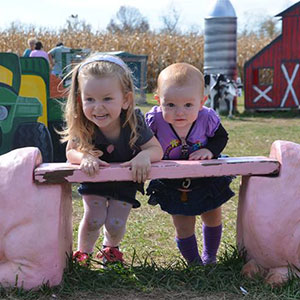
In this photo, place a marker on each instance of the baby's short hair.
(181, 74)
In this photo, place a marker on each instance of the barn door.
(290, 84)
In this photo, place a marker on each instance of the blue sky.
(54, 13)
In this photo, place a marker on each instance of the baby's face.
(180, 104)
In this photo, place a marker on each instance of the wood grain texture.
(250, 165)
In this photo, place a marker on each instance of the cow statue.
(268, 224)
(36, 223)
(221, 89)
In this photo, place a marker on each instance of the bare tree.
(170, 20)
(128, 19)
(74, 24)
(260, 25)
(269, 28)
(194, 29)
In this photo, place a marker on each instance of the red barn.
(272, 76)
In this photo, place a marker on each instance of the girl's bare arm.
(88, 163)
(141, 163)
(73, 156)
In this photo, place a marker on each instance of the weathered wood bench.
(34, 243)
(246, 166)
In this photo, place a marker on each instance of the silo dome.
(222, 8)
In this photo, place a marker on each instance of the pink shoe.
(110, 255)
(82, 258)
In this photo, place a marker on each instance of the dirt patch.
(157, 294)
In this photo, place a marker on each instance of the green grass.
(154, 268)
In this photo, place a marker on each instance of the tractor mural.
(31, 104)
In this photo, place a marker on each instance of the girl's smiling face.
(102, 102)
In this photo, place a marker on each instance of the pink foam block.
(268, 225)
(36, 223)
(64, 172)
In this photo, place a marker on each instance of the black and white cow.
(220, 89)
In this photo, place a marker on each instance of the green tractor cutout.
(31, 112)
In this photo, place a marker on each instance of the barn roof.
(259, 53)
(288, 10)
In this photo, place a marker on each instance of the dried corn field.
(161, 49)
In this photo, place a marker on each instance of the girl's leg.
(186, 239)
(95, 210)
(212, 232)
(115, 223)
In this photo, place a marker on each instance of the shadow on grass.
(291, 114)
(146, 279)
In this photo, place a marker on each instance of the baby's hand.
(90, 164)
(201, 154)
(140, 167)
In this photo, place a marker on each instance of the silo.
(220, 39)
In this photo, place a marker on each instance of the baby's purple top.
(205, 126)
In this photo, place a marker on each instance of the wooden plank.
(247, 166)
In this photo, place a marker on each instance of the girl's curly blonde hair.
(78, 128)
